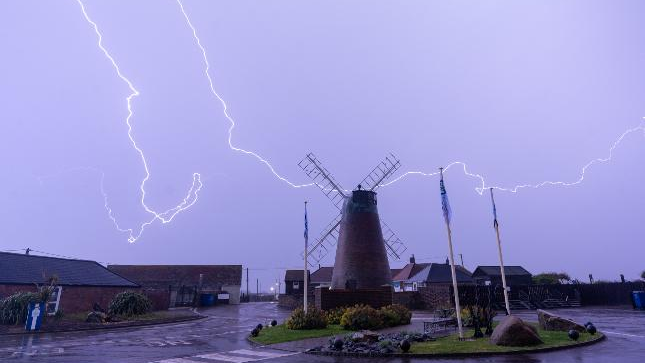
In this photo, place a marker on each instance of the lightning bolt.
(192, 195)
(225, 106)
(168, 215)
(480, 189)
(516, 188)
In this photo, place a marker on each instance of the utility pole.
(248, 296)
(304, 291)
(257, 289)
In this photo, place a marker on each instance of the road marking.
(624, 334)
(234, 356)
(175, 360)
(257, 353)
(226, 358)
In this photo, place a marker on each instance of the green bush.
(393, 315)
(361, 317)
(313, 319)
(334, 316)
(13, 309)
(130, 303)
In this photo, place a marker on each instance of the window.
(54, 300)
(296, 285)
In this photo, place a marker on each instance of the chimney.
(412, 259)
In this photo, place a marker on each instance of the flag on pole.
(445, 205)
(306, 235)
(495, 224)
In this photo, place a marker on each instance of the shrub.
(13, 309)
(393, 315)
(130, 303)
(361, 317)
(313, 319)
(334, 316)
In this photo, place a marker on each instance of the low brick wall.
(436, 296)
(294, 301)
(74, 299)
(330, 299)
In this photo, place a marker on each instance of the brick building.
(180, 285)
(79, 283)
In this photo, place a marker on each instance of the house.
(294, 281)
(439, 273)
(400, 279)
(491, 275)
(180, 285)
(321, 277)
(79, 284)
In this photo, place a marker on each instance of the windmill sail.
(323, 179)
(381, 172)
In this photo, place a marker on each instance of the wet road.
(221, 338)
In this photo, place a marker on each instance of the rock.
(96, 317)
(365, 336)
(405, 345)
(552, 322)
(513, 332)
(338, 343)
(573, 334)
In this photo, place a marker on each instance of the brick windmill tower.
(363, 241)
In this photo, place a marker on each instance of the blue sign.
(35, 313)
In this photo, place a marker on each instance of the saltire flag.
(495, 224)
(445, 205)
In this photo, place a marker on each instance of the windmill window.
(296, 285)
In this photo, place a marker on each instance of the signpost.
(35, 312)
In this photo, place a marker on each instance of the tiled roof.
(30, 269)
(409, 270)
(321, 276)
(495, 271)
(441, 273)
(177, 275)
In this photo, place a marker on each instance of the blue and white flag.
(495, 224)
(306, 235)
(445, 205)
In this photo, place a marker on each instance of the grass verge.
(451, 343)
(280, 334)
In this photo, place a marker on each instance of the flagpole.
(305, 292)
(499, 251)
(452, 264)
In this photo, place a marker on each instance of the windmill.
(363, 239)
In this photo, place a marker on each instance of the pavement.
(221, 337)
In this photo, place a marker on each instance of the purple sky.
(521, 92)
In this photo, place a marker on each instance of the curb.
(109, 327)
(598, 339)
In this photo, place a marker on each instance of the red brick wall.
(330, 299)
(74, 299)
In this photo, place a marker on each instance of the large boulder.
(552, 322)
(514, 332)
